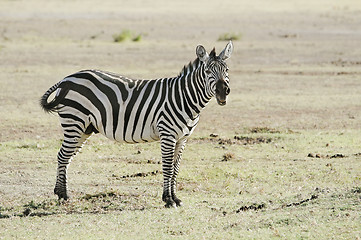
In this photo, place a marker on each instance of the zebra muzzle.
(221, 102)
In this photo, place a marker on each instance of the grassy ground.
(280, 161)
(259, 185)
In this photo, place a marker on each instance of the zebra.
(135, 111)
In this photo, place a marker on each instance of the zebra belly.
(146, 134)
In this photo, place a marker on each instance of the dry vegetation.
(281, 161)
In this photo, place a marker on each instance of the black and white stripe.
(134, 111)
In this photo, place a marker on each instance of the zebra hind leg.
(176, 163)
(70, 147)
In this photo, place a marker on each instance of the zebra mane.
(191, 65)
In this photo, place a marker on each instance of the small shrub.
(137, 38)
(264, 130)
(227, 156)
(127, 35)
(229, 36)
(124, 35)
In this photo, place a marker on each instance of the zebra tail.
(52, 106)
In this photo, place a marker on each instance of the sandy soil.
(297, 64)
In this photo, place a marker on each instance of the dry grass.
(291, 99)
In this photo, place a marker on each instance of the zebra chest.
(187, 128)
(191, 125)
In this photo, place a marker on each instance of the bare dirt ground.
(296, 68)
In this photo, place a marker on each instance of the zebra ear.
(227, 51)
(202, 53)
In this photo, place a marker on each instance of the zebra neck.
(194, 89)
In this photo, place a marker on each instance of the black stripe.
(167, 122)
(177, 95)
(201, 98)
(91, 96)
(72, 131)
(68, 152)
(189, 105)
(199, 90)
(120, 85)
(71, 136)
(175, 122)
(116, 77)
(109, 92)
(129, 108)
(72, 125)
(62, 156)
(151, 104)
(172, 106)
(71, 116)
(141, 105)
(68, 142)
(163, 92)
(190, 79)
(80, 108)
(183, 91)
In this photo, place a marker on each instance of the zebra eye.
(208, 71)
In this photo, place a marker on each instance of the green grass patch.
(230, 37)
(127, 35)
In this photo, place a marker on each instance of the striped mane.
(191, 66)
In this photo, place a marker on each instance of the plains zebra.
(134, 111)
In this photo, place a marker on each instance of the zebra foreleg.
(70, 147)
(167, 148)
(176, 163)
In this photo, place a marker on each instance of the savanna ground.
(281, 161)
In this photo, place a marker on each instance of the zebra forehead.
(218, 64)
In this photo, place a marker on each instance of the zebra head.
(216, 71)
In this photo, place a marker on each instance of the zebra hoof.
(170, 204)
(62, 194)
(178, 202)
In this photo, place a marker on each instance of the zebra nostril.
(228, 90)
